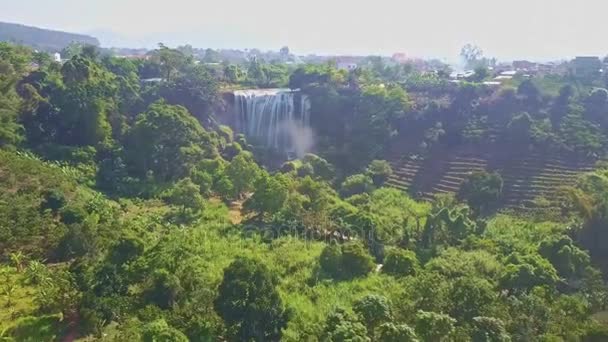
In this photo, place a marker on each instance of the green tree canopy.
(166, 141)
(379, 170)
(187, 196)
(373, 311)
(400, 262)
(269, 195)
(243, 172)
(341, 326)
(249, 303)
(356, 184)
(432, 326)
(481, 190)
(390, 332)
(488, 329)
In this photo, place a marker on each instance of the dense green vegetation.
(127, 213)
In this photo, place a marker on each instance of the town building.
(586, 66)
(346, 63)
(525, 66)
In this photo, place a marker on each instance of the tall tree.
(481, 190)
(269, 195)
(170, 60)
(166, 141)
(243, 172)
(11, 132)
(472, 55)
(195, 89)
(373, 311)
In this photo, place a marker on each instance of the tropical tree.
(481, 190)
(249, 303)
(356, 260)
(373, 310)
(330, 260)
(389, 332)
(530, 95)
(472, 55)
(380, 171)
(233, 73)
(400, 262)
(348, 261)
(12, 64)
(186, 195)
(321, 168)
(523, 272)
(565, 256)
(170, 60)
(470, 298)
(356, 184)
(195, 89)
(18, 260)
(269, 195)
(159, 330)
(242, 173)
(165, 289)
(431, 326)
(481, 73)
(8, 290)
(341, 326)
(212, 56)
(165, 141)
(36, 273)
(488, 329)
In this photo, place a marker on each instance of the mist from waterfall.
(276, 118)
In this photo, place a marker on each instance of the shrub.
(379, 171)
(356, 260)
(356, 184)
(348, 261)
(400, 262)
(331, 260)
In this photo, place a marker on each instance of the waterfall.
(276, 118)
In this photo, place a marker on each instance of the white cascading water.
(270, 117)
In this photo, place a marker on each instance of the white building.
(57, 57)
(347, 66)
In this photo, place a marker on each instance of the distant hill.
(42, 39)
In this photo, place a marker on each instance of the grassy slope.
(18, 318)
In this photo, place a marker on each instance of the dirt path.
(72, 326)
(235, 212)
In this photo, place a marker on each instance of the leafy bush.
(400, 262)
(481, 190)
(356, 184)
(346, 261)
(379, 171)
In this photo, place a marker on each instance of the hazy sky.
(507, 29)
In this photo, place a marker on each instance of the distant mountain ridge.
(42, 39)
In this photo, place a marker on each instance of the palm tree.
(36, 273)
(9, 290)
(18, 259)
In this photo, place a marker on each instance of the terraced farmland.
(526, 178)
(404, 172)
(456, 172)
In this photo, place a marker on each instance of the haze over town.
(507, 30)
